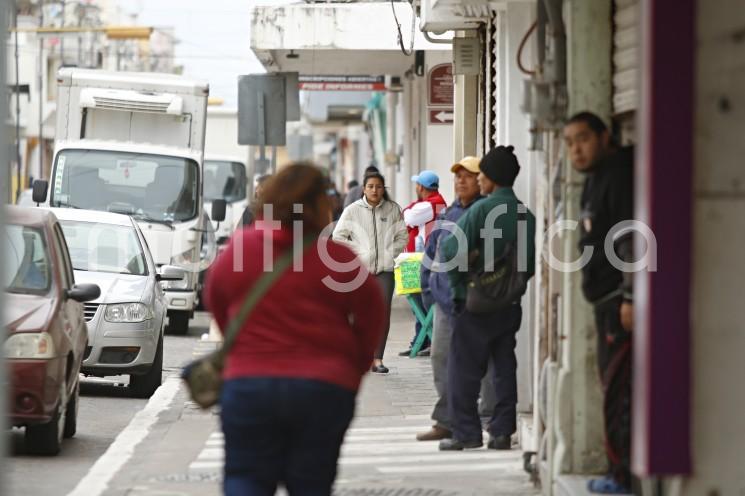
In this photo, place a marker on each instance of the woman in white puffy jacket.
(374, 228)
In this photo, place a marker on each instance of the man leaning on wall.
(607, 200)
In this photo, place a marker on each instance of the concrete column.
(466, 109)
(718, 269)
(391, 114)
(4, 197)
(410, 102)
(578, 401)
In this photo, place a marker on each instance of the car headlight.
(29, 345)
(127, 312)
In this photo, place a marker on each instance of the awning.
(333, 38)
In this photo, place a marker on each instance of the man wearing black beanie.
(491, 226)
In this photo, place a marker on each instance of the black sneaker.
(499, 442)
(405, 353)
(455, 445)
(379, 369)
(424, 353)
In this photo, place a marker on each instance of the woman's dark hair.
(373, 175)
(300, 183)
(593, 121)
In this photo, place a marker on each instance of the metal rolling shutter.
(626, 33)
(492, 80)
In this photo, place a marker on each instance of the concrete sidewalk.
(183, 453)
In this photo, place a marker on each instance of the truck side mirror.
(218, 210)
(39, 191)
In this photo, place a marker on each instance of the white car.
(126, 323)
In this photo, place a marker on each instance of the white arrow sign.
(444, 116)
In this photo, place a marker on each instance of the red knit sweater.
(301, 328)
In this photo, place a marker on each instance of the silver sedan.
(126, 323)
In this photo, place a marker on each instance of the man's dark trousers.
(476, 339)
(614, 364)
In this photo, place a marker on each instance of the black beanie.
(500, 165)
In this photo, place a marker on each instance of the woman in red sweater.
(291, 378)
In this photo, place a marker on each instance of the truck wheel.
(71, 413)
(143, 386)
(178, 323)
(46, 439)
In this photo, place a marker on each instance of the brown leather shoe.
(436, 433)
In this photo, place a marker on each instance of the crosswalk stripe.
(211, 454)
(380, 437)
(376, 430)
(206, 465)
(387, 450)
(467, 457)
(474, 467)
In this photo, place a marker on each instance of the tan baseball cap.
(471, 164)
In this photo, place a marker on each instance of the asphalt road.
(106, 407)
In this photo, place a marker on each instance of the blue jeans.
(282, 430)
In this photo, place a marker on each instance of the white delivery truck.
(225, 175)
(133, 143)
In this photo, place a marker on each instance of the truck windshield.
(159, 188)
(224, 180)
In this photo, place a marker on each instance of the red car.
(45, 325)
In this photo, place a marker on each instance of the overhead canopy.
(339, 39)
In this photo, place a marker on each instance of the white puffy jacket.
(376, 234)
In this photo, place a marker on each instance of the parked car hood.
(115, 288)
(26, 313)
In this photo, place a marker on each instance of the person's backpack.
(492, 290)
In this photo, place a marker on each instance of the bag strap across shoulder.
(264, 283)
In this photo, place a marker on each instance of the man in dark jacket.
(607, 200)
(490, 226)
(436, 290)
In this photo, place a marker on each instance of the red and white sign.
(342, 83)
(441, 116)
(342, 86)
(440, 85)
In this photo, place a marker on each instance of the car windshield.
(26, 258)
(224, 180)
(100, 247)
(150, 187)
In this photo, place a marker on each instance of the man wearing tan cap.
(436, 289)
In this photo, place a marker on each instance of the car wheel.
(178, 323)
(46, 439)
(143, 386)
(71, 413)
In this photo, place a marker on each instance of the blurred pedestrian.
(479, 337)
(350, 186)
(336, 201)
(248, 214)
(419, 217)
(607, 199)
(355, 192)
(374, 228)
(292, 375)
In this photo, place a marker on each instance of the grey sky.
(214, 37)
